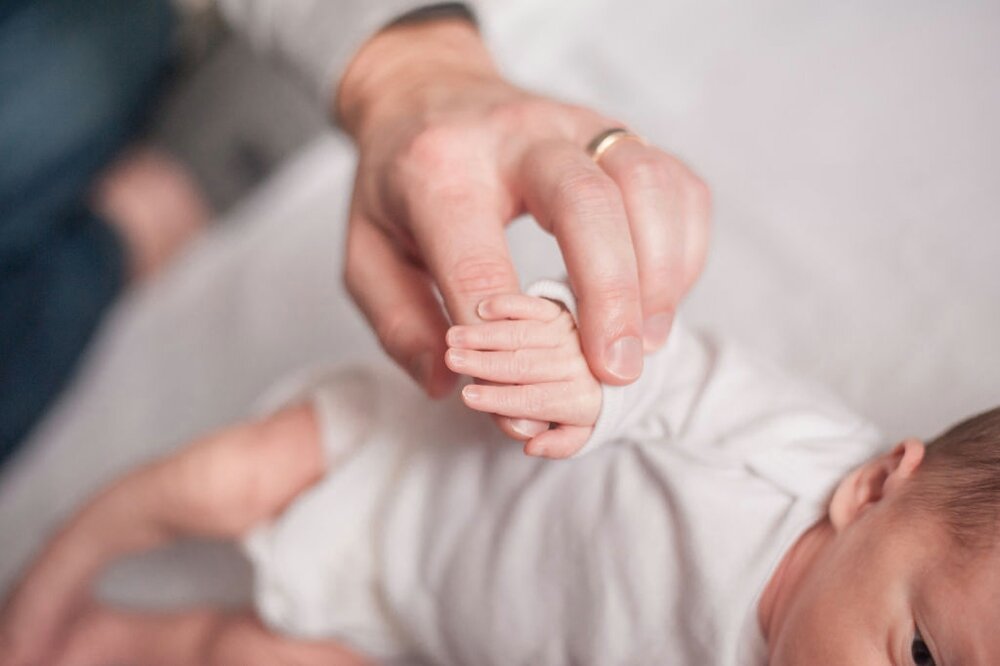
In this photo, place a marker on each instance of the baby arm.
(218, 487)
(528, 349)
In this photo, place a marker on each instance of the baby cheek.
(807, 643)
(831, 634)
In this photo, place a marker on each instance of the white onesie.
(436, 538)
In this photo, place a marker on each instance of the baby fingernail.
(527, 428)
(655, 330)
(623, 358)
(536, 449)
(472, 392)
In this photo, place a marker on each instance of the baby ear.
(878, 478)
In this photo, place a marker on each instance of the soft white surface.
(435, 533)
(855, 158)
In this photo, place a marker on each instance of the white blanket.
(854, 154)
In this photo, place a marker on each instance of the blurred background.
(852, 148)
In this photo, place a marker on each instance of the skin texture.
(854, 588)
(528, 357)
(217, 487)
(224, 484)
(154, 204)
(450, 153)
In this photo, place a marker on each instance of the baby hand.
(529, 349)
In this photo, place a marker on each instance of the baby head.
(905, 569)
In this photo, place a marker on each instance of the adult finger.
(652, 186)
(397, 299)
(697, 216)
(459, 230)
(582, 206)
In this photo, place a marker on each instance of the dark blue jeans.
(76, 78)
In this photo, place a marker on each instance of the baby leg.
(218, 487)
(205, 637)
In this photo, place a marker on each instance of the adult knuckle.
(649, 172)
(618, 301)
(518, 112)
(434, 147)
(614, 290)
(663, 269)
(699, 193)
(506, 115)
(586, 190)
(544, 117)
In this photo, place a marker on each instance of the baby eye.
(920, 652)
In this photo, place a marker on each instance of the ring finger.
(651, 183)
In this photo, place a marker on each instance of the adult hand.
(450, 152)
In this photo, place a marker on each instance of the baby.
(723, 514)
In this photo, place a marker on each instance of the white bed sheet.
(854, 154)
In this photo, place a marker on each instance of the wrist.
(410, 69)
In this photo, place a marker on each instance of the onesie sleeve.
(666, 387)
(316, 38)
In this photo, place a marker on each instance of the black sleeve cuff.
(440, 10)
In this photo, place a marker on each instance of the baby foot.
(155, 205)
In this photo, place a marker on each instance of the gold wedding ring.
(603, 142)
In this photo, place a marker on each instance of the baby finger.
(559, 402)
(561, 442)
(508, 335)
(518, 306)
(521, 366)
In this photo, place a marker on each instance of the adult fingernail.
(655, 330)
(527, 428)
(623, 358)
(472, 392)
